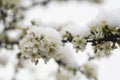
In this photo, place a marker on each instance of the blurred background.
(58, 13)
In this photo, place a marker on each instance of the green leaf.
(36, 62)
(70, 38)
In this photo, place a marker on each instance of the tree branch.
(112, 38)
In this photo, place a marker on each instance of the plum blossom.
(77, 35)
(79, 43)
(64, 74)
(39, 43)
(89, 69)
(103, 50)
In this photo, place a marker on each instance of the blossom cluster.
(104, 38)
(90, 70)
(75, 35)
(79, 42)
(102, 50)
(39, 43)
(45, 43)
(64, 74)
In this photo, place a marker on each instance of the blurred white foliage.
(67, 56)
(14, 35)
(111, 17)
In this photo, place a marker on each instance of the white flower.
(89, 70)
(79, 43)
(64, 74)
(103, 50)
(40, 43)
(76, 35)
